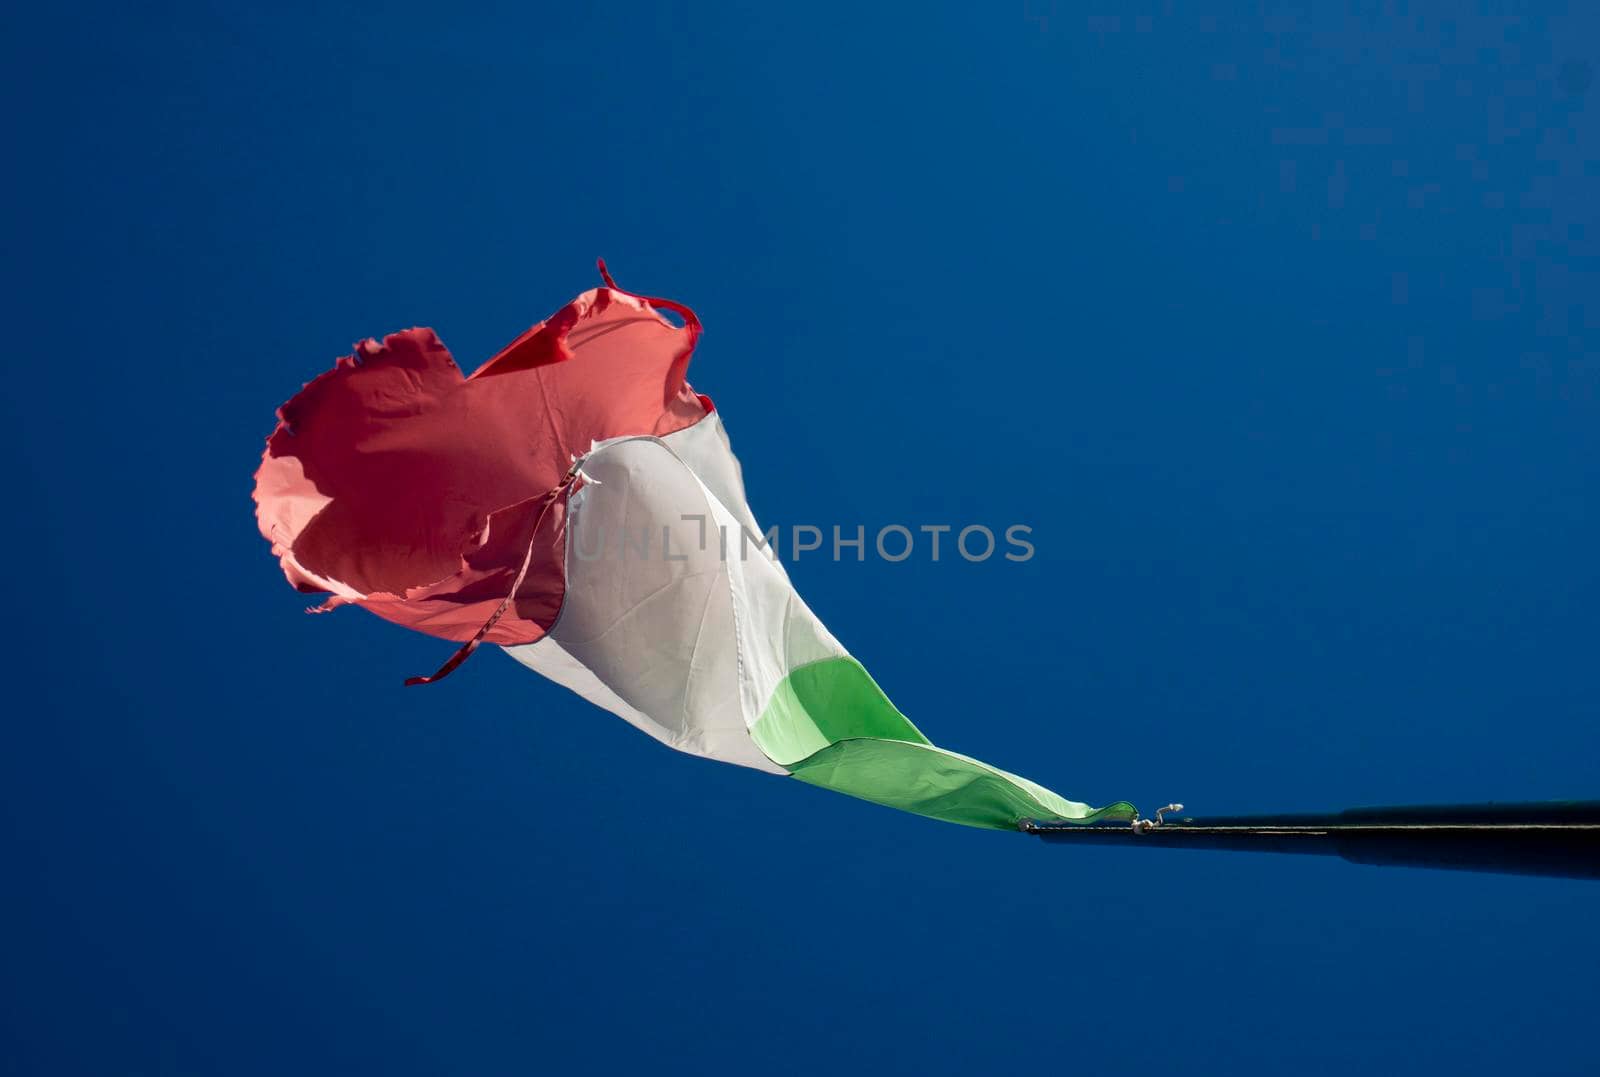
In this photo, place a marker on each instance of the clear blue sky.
(1284, 337)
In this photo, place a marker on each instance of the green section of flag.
(822, 703)
(833, 727)
(943, 785)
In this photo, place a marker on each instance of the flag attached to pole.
(576, 503)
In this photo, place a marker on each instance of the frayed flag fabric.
(575, 502)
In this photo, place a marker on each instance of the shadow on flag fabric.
(574, 502)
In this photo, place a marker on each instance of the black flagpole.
(1559, 838)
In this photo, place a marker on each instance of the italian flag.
(576, 503)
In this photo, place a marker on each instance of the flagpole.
(1557, 838)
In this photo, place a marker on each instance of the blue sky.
(1281, 334)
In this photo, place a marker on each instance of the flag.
(575, 502)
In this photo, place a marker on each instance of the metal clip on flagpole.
(1141, 825)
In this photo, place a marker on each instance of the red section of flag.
(429, 498)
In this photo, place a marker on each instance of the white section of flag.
(672, 622)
